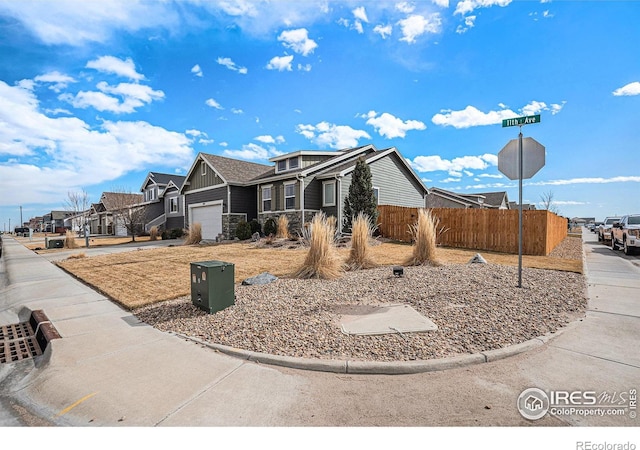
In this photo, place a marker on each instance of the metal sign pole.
(520, 208)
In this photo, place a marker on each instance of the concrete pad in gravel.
(388, 319)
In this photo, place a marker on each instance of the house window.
(329, 193)
(173, 204)
(293, 163)
(289, 196)
(203, 168)
(151, 194)
(266, 198)
(376, 194)
(282, 165)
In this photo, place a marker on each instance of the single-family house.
(441, 198)
(103, 216)
(220, 191)
(53, 222)
(525, 206)
(165, 205)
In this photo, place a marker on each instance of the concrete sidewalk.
(110, 370)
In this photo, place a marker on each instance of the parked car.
(604, 231)
(626, 234)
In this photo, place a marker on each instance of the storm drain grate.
(18, 342)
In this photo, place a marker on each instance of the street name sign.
(518, 121)
(533, 156)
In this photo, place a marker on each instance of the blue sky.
(94, 95)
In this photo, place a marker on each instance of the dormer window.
(287, 164)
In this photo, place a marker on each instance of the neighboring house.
(441, 198)
(36, 223)
(218, 194)
(53, 222)
(496, 200)
(525, 206)
(103, 216)
(165, 205)
(221, 191)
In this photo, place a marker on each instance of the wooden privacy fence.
(481, 229)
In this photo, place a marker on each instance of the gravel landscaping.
(477, 307)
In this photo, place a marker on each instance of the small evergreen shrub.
(256, 227)
(270, 227)
(243, 230)
(176, 233)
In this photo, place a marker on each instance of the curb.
(380, 367)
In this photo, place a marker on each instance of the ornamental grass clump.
(359, 256)
(153, 233)
(283, 227)
(322, 260)
(195, 234)
(424, 234)
(70, 240)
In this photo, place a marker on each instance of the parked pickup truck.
(604, 230)
(626, 234)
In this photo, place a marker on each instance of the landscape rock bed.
(477, 307)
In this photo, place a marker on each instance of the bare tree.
(128, 211)
(78, 203)
(548, 204)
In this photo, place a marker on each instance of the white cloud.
(357, 25)
(490, 175)
(56, 80)
(237, 111)
(64, 153)
(467, 6)
(629, 89)
(280, 63)
(122, 98)
(229, 64)
(454, 167)
(473, 117)
(304, 68)
(214, 104)
(383, 31)
(253, 152)
(71, 26)
(121, 67)
(593, 180)
(416, 25)
(405, 7)
(441, 3)
(360, 14)
(469, 22)
(450, 180)
(196, 70)
(268, 139)
(325, 134)
(390, 126)
(298, 41)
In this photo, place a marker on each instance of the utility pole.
(21, 222)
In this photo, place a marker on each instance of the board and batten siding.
(396, 185)
(310, 160)
(199, 181)
(204, 197)
(313, 194)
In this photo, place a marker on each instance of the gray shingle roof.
(234, 170)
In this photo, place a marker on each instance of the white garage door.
(210, 218)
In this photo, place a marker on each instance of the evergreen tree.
(361, 197)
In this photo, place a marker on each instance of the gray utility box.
(212, 285)
(55, 243)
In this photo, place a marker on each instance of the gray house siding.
(175, 219)
(203, 197)
(313, 194)
(436, 201)
(244, 200)
(396, 185)
(154, 210)
(199, 181)
(277, 196)
(174, 222)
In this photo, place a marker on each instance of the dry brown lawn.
(142, 277)
(80, 242)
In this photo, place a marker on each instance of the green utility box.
(212, 285)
